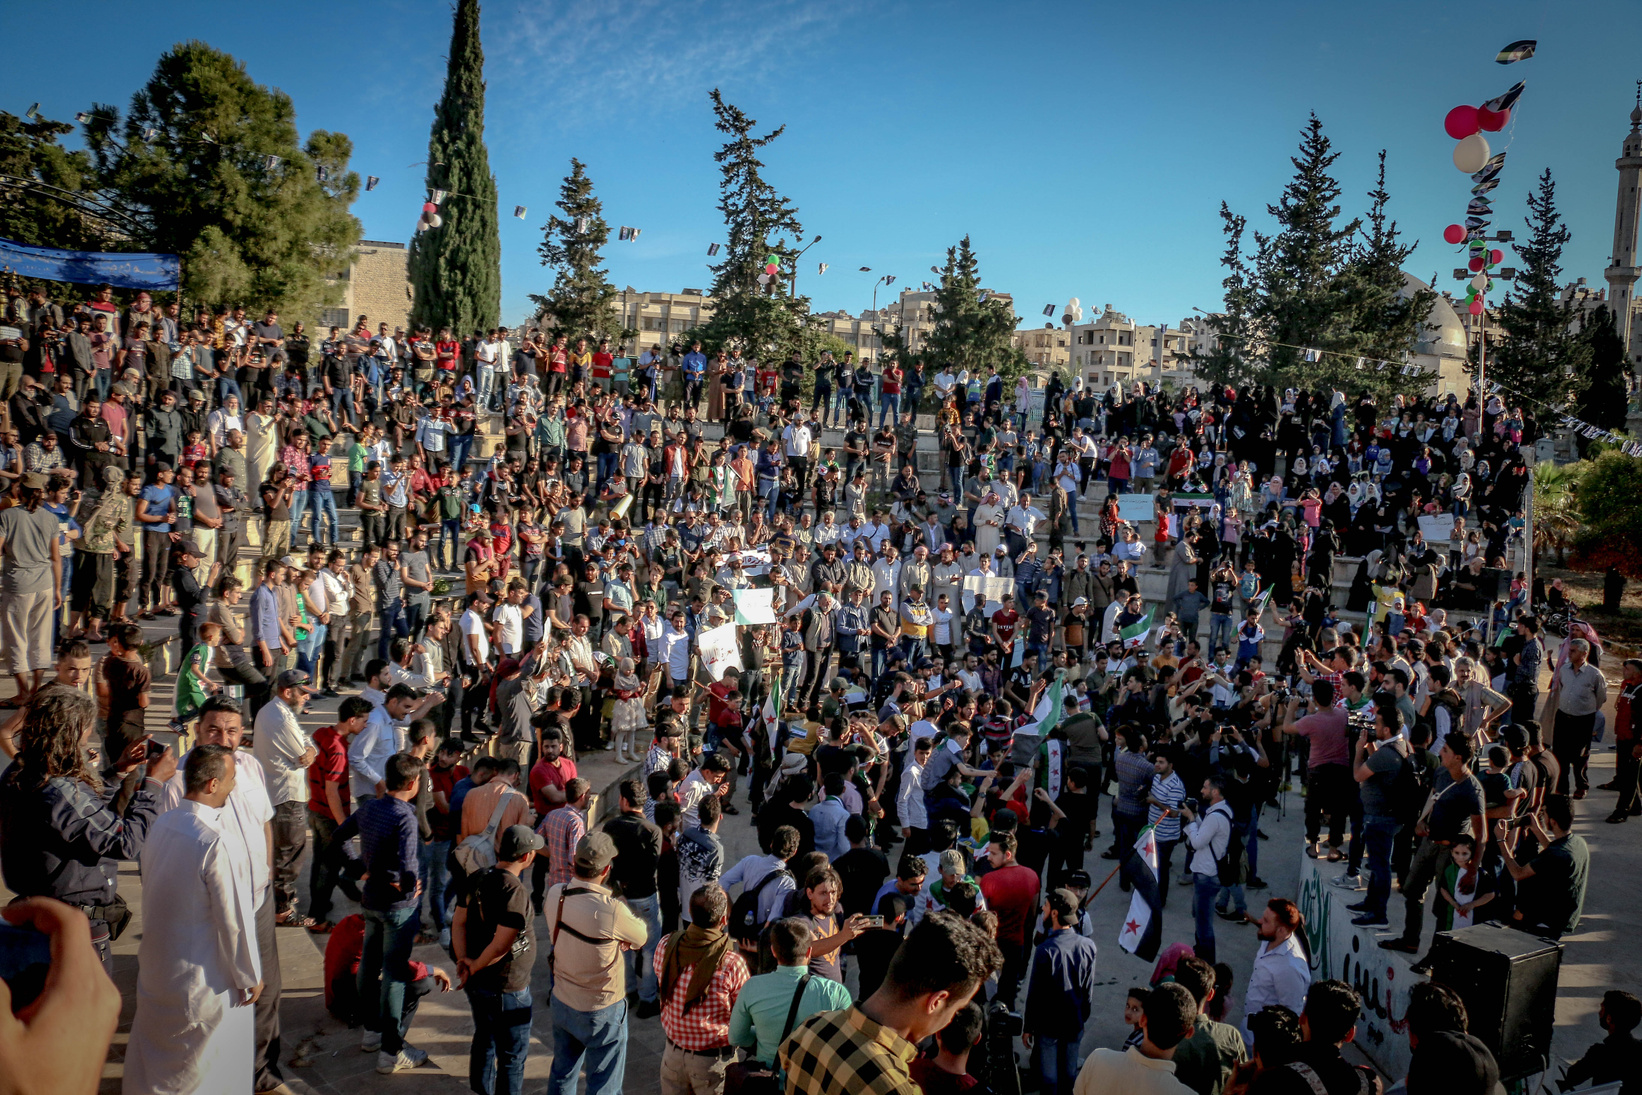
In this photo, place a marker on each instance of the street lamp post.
(792, 285)
(877, 341)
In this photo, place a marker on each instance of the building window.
(333, 317)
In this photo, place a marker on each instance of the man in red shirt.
(1011, 891)
(551, 772)
(604, 364)
(1004, 622)
(889, 390)
(329, 805)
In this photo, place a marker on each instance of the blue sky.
(1086, 148)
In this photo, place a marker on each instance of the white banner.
(754, 606)
(719, 650)
(994, 588)
(1353, 955)
(1135, 507)
(1438, 528)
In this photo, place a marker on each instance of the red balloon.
(1496, 257)
(1493, 120)
(1475, 264)
(1454, 234)
(1476, 307)
(429, 207)
(1461, 122)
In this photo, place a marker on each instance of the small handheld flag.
(1135, 634)
(519, 211)
(712, 249)
(1142, 931)
(1048, 309)
(1517, 51)
(371, 181)
(439, 196)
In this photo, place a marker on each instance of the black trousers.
(1571, 744)
(265, 1067)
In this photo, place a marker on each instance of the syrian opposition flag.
(1261, 600)
(1142, 931)
(770, 713)
(1029, 741)
(1135, 634)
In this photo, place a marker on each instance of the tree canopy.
(969, 332)
(209, 162)
(50, 195)
(579, 304)
(1318, 282)
(1609, 501)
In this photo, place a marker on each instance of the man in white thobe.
(247, 822)
(198, 973)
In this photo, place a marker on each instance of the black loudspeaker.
(1508, 981)
(1494, 584)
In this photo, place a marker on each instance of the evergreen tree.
(191, 160)
(579, 304)
(55, 207)
(1538, 353)
(1385, 321)
(968, 333)
(762, 321)
(1230, 361)
(1298, 270)
(456, 269)
(1605, 400)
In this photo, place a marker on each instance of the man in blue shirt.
(829, 816)
(262, 628)
(156, 510)
(1057, 1001)
(390, 841)
(695, 366)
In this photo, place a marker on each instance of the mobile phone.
(155, 748)
(25, 960)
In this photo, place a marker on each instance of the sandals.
(295, 920)
(1311, 851)
(424, 939)
(1335, 855)
(321, 927)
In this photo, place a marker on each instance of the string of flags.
(823, 268)
(1362, 364)
(712, 249)
(519, 211)
(628, 234)
(1573, 422)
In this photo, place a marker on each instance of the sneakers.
(1370, 920)
(444, 938)
(408, 1057)
(1255, 884)
(1400, 944)
(1360, 907)
(371, 1042)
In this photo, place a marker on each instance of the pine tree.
(763, 322)
(968, 333)
(1385, 322)
(1538, 353)
(56, 208)
(192, 162)
(1298, 270)
(1605, 400)
(455, 269)
(1230, 362)
(579, 304)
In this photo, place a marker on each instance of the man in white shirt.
(285, 752)
(675, 646)
(797, 438)
(383, 736)
(509, 620)
(1281, 973)
(475, 631)
(945, 383)
(909, 797)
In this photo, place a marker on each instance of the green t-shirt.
(356, 458)
(190, 687)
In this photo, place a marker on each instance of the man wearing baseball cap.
(285, 751)
(589, 928)
(495, 948)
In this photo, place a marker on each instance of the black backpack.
(1410, 787)
(744, 922)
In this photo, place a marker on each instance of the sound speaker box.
(1508, 980)
(1494, 584)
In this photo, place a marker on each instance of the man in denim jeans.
(390, 841)
(495, 948)
(638, 851)
(590, 929)
(1207, 837)
(1375, 767)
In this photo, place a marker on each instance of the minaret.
(1626, 264)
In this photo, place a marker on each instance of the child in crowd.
(194, 685)
(947, 1072)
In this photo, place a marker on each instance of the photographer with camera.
(1377, 763)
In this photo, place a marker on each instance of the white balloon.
(763, 279)
(1471, 154)
(1480, 282)
(435, 220)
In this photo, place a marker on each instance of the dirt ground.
(1621, 634)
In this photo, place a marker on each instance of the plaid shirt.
(845, 1053)
(707, 1024)
(562, 829)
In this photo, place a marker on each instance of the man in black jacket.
(816, 627)
(633, 877)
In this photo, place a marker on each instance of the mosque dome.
(1445, 335)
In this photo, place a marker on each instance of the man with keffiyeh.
(700, 975)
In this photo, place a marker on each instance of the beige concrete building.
(1114, 349)
(376, 286)
(1048, 348)
(660, 317)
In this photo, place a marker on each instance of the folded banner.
(124, 271)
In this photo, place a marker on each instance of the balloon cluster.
(1467, 124)
(430, 217)
(772, 267)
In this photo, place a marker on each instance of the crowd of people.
(960, 666)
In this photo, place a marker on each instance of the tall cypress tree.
(456, 269)
(1539, 353)
(579, 303)
(1606, 399)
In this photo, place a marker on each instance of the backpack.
(1410, 787)
(478, 852)
(744, 922)
(1231, 866)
